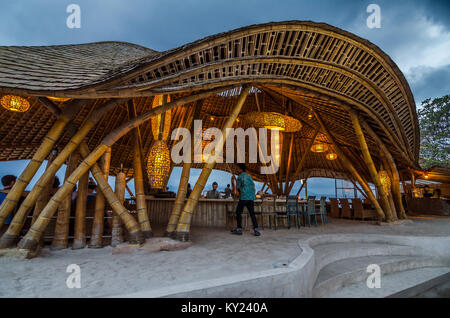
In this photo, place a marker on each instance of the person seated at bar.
(55, 185)
(437, 193)
(91, 188)
(188, 190)
(7, 181)
(427, 192)
(213, 194)
(227, 192)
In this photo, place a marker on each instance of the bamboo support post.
(302, 160)
(184, 179)
(61, 236)
(184, 222)
(348, 164)
(141, 204)
(371, 166)
(79, 240)
(117, 231)
(99, 213)
(45, 195)
(288, 168)
(44, 149)
(394, 171)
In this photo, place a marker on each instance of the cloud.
(429, 82)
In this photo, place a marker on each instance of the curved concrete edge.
(297, 279)
(387, 267)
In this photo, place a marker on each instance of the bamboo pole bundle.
(184, 222)
(44, 149)
(117, 232)
(141, 204)
(61, 236)
(21, 215)
(44, 197)
(99, 214)
(79, 240)
(30, 241)
(393, 168)
(347, 163)
(371, 166)
(184, 180)
(134, 233)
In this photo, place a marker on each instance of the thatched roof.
(296, 63)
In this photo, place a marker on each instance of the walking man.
(247, 197)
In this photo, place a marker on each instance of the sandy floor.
(215, 254)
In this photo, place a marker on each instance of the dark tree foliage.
(435, 132)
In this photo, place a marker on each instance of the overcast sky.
(415, 33)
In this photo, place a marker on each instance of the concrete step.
(332, 252)
(344, 272)
(407, 283)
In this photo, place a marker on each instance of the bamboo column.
(393, 167)
(29, 243)
(287, 180)
(29, 202)
(389, 194)
(99, 214)
(45, 195)
(347, 163)
(117, 232)
(184, 222)
(185, 173)
(44, 149)
(371, 166)
(141, 204)
(61, 236)
(79, 240)
(302, 160)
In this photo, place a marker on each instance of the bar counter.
(209, 212)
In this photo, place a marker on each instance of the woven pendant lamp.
(15, 103)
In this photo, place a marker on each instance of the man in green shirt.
(247, 197)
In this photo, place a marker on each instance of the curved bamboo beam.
(44, 149)
(79, 240)
(99, 214)
(184, 223)
(371, 166)
(347, 163)
(29, 243)
(117, 231)
(393, 167)
(18, 221)
(297, 61)
(61, 236)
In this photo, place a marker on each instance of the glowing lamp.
(15, 103)
(319, 147)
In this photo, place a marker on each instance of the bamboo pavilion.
(109, 107)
